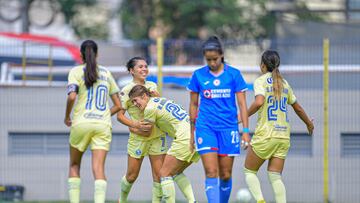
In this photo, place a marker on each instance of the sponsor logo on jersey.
(217, 93)
(207, 94)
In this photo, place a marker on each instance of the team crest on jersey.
(138, 152)
(216, 82)
(207, 94)
(122, 94)
(269, 80)
(200, 140)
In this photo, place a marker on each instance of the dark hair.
(132, 62)
(213, 44)
(271, 60)
(139, 90)
(88, 51)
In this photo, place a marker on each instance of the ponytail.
(271, 60)
(277, 83)
(89, 53)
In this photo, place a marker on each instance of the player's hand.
(142, 125)
(145, 126)
(154, 93)
(67, 122)
(310, 127)
(245, 140)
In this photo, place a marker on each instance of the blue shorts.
(224, 142)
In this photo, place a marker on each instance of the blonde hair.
(139, 90)
(271, 60)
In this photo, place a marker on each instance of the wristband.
(246, 130)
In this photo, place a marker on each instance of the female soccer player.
(138, 144)
(272, 134)
(174, 120)
(216, 136)
(91, 122)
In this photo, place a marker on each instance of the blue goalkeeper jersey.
(217, 106)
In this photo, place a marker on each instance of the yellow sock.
(125, 189)
(100, 191)
(74, 189)
(168, 189)
(278, 187)
(254, 184)
(156, 193)
(185, 186)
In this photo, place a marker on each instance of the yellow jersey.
(169, 117)
(92, 104)
(134, 112)
(273, 119)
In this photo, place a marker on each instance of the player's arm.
(145, 133)
(255, 106)
(141, 132)
(303, 116)
(72, 90)
(194, 106)
(149, 120)
(140, 125)
(241, 99)
(69, 105)
(117, 104)
(259, 90)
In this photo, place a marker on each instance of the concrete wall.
(36, 109)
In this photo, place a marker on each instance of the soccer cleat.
(261, 201)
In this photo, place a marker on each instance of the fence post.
(50, 64)
(326, 118)
(160, 62)
(23, 63)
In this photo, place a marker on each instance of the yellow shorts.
(96, 134)
(180, 149)
(140, 148)
(273, 147)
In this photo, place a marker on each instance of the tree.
(184, 18)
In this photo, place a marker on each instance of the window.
(50, 143)
(301, 144)
(354, 4)
(38, 143)
(350, 144)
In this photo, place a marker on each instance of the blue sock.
(212, 190)
(225, 190)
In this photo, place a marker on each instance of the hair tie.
(211, 45)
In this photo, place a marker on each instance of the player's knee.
(211, 172)
(164, 172)
(225, 175)
(131, 176)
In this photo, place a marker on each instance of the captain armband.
(72, 88)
